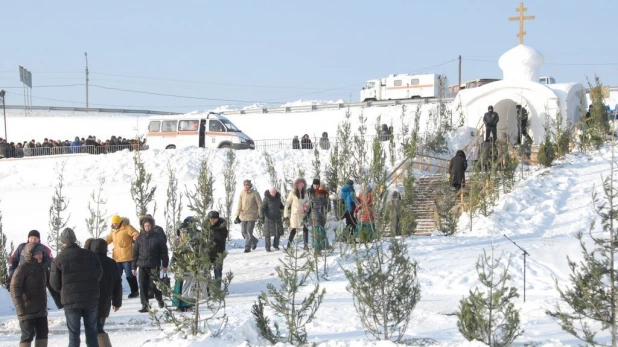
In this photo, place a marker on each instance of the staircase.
(425, 193)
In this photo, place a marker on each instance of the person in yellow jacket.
(247, 214)
(122, 236)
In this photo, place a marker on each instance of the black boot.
(144, 309)
(133, 286)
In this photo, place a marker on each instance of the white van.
(207, 131)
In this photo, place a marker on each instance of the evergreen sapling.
(96, 224)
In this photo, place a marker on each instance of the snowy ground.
(542, 214)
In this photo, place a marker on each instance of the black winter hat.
(68, 236)
(34, 233)
(350, 182)
(316, 181)
(213, 214)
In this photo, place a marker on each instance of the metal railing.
(94, 110)
(67, 150)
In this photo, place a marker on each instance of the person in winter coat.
(522, 123)
(18, 256)
(75, 145)
(305, 142)
(122, 236)
(110, 289)
(324, 142)
(385, 133)
(156, 229)
(247, 214)
(315, 185)
(318, 212)
(149, 255)
(491, 119)
(295, 143)
(394, 213)
(366, 220)
(458, 167)
(271, 212)
(76, 273)
(295, 210)
(349, 197)
(29, 296)
(187, 235)
(218, 235)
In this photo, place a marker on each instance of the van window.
(397, 83)
(414, 82)
(154, 126)
(215, 125)
(169, 125)
(188, 125)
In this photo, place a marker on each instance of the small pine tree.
(141, 191)
(392, 149)
(262, 322)
(377, 165)
(562, 133)
(173, 205)
(445, 202)
(489, 316)
(294, 272)
(346, 151)
(229, 183)
(273, 177)
(96, 224)
(57, 220)
(592, 296)
(4, 256)
(316, 160)
(333, 169)
(359, 148)
(385, 289)
(546, 153)
(192, 262)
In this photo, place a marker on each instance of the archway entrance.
(507, 127)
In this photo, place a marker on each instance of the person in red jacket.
(366, 220)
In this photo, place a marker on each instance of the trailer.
(403, 86)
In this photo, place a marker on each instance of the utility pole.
(459, 86)
(2, 93)
(86, 55)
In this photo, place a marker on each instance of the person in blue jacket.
(349, 197)
(75, 145)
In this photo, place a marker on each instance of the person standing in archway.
(522, 123)
(491, 119)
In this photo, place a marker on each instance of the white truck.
(404, 86)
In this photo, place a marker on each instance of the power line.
(50, 86)
(202, 82)
(174, 95)
(549, 63)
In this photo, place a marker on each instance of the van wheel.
(225, 145)
(171, 147)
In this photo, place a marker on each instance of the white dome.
(521, 63)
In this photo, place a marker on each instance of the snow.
(542, 214)
(521, 63)
(311, 102)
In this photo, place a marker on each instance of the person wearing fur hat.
(18, 256)
(150, 254)
(271, 212)
(122, 236)
(156, 229)
(29, 296)
(295, 211)
(247, 214)
(76, 273)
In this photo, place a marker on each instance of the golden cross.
(521, 18)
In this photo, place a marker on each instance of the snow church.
(520, 86)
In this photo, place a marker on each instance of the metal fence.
(64, 150)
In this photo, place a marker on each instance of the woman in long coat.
(366, 220)
(319, 211)
(295, 210)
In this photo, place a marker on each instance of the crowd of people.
(86, 282)
(90, 145)
(324, 142)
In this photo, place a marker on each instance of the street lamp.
(2, 93)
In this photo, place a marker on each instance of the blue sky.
(241, 52)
